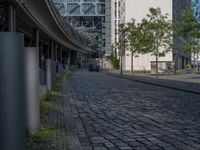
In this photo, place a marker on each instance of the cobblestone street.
(119, 114)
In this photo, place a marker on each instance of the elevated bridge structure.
(35, 45)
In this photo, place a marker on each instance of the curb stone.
(177, 85)
(74, 143)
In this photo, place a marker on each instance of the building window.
(73, 9)
(101, 9)
(88, 9)
(115, 10)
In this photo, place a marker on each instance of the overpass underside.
(35, 45)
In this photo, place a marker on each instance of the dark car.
(93, 67)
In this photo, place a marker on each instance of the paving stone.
(121, 113)
(99, 148)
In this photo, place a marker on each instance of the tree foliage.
(153, 35)
(157, 33)
(188, 27)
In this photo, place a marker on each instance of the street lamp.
(122, 46)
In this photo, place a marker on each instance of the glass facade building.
(86, 15)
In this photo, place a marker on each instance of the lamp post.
(122, 46)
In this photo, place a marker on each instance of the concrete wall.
(138, 9)
(143, 62)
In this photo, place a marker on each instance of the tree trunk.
(131, 62)
(157, 65)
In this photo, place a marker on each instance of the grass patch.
(45, 101)
(43, 138)
(46, 138)
(46, 133)
(57, 87)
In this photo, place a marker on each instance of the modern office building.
(87, 16)
(115, 15)
(138, 9)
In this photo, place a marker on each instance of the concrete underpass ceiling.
(35, 14)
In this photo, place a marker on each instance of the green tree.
(155, 34)
(132, 34)
(130, 39)
(122, 43)
(188, 28)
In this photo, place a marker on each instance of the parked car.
(93, 67)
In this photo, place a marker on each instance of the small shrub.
(114, 61)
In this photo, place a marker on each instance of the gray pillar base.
(49, 73)
(12, 98)
(32, 89)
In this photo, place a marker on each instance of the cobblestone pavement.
(119, 114)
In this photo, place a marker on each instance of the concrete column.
(12, 98)
(61, 58)
(49, 74)
(14, 19)
(41, 60)
(53, 66)
(36, 37)
(32, 89)
(52, 50)
(56, 51)
(11, 18)
(56, 57)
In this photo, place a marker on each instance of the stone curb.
(162, 83)
(74, 143)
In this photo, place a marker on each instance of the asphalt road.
(119, 114)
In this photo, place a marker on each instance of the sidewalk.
(188, 82)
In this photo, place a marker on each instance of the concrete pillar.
(61, 59)
(12, 98)
(52, 50)
(53, 59)
(56, 58)
(11, 18)
(49, 74)
(36, 35)
(56, 51)
(32, 89)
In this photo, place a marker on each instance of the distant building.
(86, 15)
(125, 10)
(115, 15)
